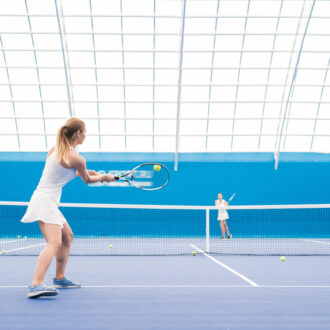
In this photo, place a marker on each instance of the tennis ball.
(18, 236)
(193, 253)
(3, 251)
(157, 168)
(25, 237)
(282, 258)
(110, 245)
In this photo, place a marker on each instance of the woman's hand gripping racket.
(148, 176)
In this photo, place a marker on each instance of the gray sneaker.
(41, 290)
(65, 283)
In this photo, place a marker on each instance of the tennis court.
(174, 293)
(164, 164)
(142, 268)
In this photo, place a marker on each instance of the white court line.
(314, 240)
(187, 286)
(143, 286)
(15, 240)
(205, 286)
(297, 286)
(225, 266)
(25, 247)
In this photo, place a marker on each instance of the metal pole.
(278, 147)
(61, 29)
(179, 89)
(207, 248)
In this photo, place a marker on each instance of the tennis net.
(104, 229)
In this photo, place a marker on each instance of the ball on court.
(282, 258)
(18, 236)
(3, 251)
(193, 253)
(110, 245)
(25, 237)
(157, 168)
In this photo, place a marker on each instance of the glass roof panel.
(229, 79)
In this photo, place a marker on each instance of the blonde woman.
(223, 216)
(63, 164)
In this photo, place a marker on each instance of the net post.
(207, 248)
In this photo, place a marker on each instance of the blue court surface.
(172, 292)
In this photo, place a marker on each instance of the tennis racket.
(231, 198)
(148, 176)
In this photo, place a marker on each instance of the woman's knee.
(55, 244)
(67, 239)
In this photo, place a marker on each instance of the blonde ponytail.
(66, 134)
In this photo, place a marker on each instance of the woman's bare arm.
(78, 162)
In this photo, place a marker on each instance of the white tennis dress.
(222, 213)
(45, 200)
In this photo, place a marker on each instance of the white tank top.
(54, 177)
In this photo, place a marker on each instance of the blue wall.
(301, 178)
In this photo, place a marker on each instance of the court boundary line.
(310, 240)
(186, 286)
(243, 277)
(24, 247)
(12, 241)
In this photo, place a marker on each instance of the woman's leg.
(52, 235)
(226, 228)
(222, 226)
(62, 253)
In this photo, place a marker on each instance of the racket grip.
(116, 177)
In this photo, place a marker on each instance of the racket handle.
(116, 177)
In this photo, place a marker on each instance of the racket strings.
(160, 177)
(151, 176)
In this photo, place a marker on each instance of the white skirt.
(43, 207)
(223, 215)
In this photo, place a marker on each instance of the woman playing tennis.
(63, 164)
(223, 216)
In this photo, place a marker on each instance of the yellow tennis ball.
(18, 236)
(25, 237)
(157, 168)
(193, 253)
(110, 245)
(282, 258)
(3, 251)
